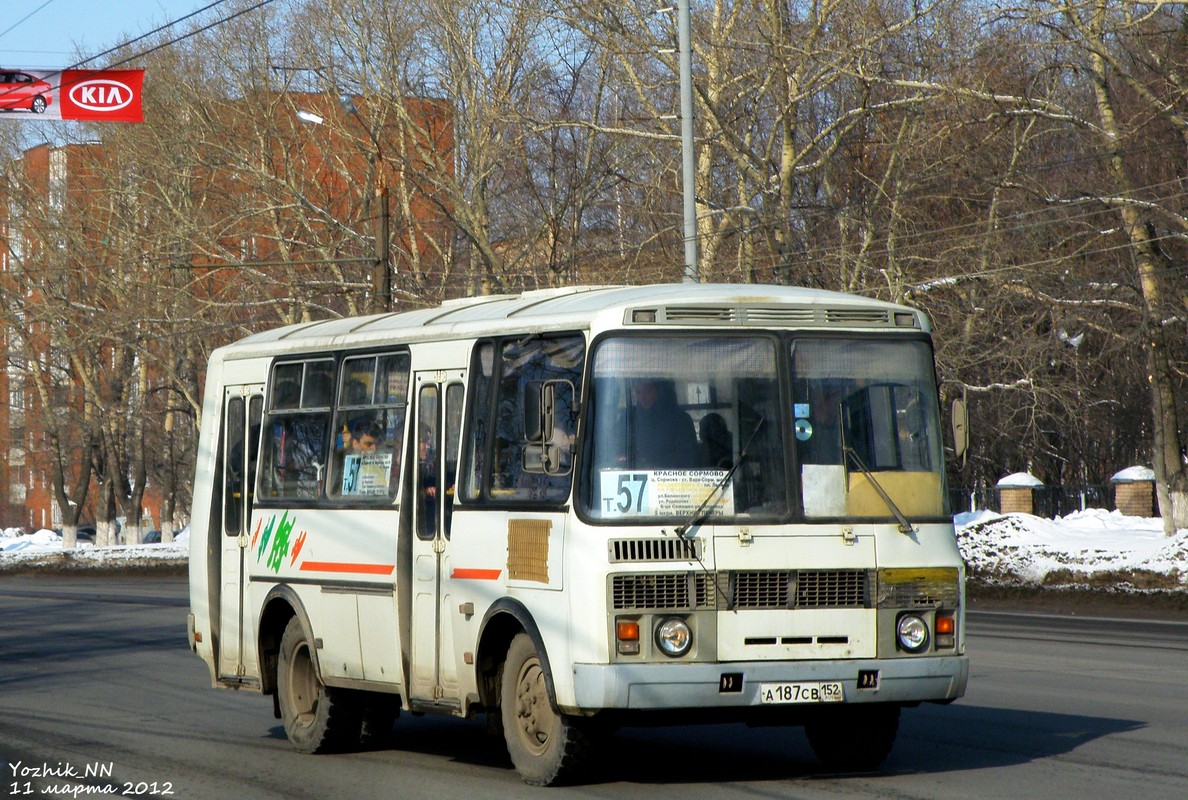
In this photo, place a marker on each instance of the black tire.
(853, 738)
(317, 719)
(546, 747)
(38, 104)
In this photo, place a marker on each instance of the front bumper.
(692, 685)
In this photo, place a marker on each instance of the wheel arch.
(281, 604)
(503, 621)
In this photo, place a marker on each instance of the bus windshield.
(685, 424)
(865, 412)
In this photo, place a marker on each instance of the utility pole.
(688, 173)
(382, 279)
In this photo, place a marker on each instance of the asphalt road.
(99, 694)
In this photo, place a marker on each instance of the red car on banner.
(110, 95)
(22, 90)
(85, 95)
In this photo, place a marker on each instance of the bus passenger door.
(437, 433)
(242, 406)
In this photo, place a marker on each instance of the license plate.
(823, 692)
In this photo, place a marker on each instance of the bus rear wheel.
(317, 719)
(853, 738)
(545, 746)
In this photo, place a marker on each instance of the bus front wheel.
(545, 746)
(853, 738)
(317, 718)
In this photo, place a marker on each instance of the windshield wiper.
(905, 527)
(700, 514)
(682, 531)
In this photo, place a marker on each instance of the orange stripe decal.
(354, 569)
(476, 574)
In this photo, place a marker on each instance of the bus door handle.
(439, 545)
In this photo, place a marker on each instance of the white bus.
(576, 509)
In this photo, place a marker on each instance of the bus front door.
(242, 406)
(434, 675)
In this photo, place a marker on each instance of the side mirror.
(542, 402)
(547, 446)
(960, 428)
(539, 410)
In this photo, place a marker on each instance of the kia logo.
(101, 94)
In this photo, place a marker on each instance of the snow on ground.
(1026, 549)
(1010, 548)
(43, 548)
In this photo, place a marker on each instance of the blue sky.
(57, 30)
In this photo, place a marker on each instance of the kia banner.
(86, 95)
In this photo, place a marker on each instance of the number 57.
(628, 498)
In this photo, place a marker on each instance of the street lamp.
(381, 279)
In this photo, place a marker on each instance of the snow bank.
(1029, 549)
(44, 548)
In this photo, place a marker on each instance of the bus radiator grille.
(760, 589)
(845, 588)
(665, 590)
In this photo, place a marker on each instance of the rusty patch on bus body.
(528, 549)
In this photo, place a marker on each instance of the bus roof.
(580, 307)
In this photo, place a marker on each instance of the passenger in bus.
(426, 484)
(361, 436)
(715, 441)
(427, 463)
(366, 436)
(662, 435)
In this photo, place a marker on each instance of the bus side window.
(482, 371)
(517, 471)
(240, 448)
(369, 428)
(234, 479)
(454, 395)
(296, 429)
(255, 411)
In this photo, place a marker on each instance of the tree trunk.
(1170, 478)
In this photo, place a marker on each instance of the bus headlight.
(673, 637)
(912, 633)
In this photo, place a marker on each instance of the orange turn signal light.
(945, 625)
(627, 630)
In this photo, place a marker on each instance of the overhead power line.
(16, 24)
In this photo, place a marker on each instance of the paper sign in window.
(665, 493)
(366, 474)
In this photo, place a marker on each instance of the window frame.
(333, 493)
(275, 410)
(482, 411)
(279, 411)
(794, 473)
(584, 500)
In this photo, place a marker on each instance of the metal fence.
(1050, 501)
